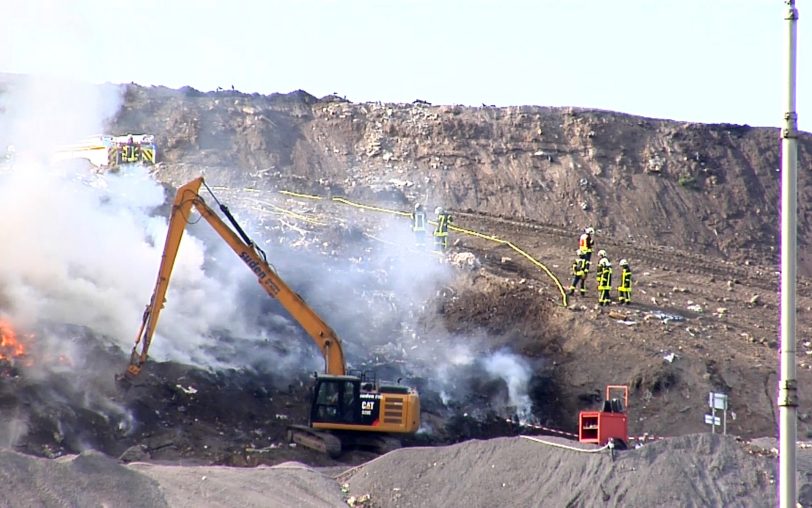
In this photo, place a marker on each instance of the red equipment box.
(599, 426)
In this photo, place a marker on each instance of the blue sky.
(692, 60)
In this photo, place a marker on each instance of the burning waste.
(10, 345)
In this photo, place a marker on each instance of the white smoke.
(516, 373)
(469, 377)
(85, 249)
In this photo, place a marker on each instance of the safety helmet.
(589, 230)
(624, 262)
(602, 253)
(418, 206)
(605, 262)
(438, 210)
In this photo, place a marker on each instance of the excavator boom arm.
(187, 197)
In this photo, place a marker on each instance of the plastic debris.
(666, 317)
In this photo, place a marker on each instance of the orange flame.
(10, 345)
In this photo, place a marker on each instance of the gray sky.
(694, 60)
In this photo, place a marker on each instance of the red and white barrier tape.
(644, 438)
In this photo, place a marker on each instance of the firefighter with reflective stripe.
(624, 291)
(419, 225)
(599, 271)
(585, 244)
(579, 273)
(131, 150)
(604, 281)
(601, 255)
(444, 219)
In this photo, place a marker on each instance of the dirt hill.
(486, 328)
(706, 189)
(694, 207)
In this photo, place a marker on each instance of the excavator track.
(323, 442)
(333, 444)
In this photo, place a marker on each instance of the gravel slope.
(690, 471)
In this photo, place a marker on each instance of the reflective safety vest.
(131, 153)
(443, 220)
(585, 243)
(419, 221)
(605, 279)
(579, 267)
(625, 280)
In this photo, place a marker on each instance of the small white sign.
(713, 420)
(717, 401)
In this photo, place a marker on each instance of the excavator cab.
(355, 412)
(357, 403)
(336, 400)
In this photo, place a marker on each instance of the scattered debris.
(666, 317)
(359, 501)
(465, 260)
(188, 391)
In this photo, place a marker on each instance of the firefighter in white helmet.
(578, 273)
(604, 281)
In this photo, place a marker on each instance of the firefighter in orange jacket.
(585, 244)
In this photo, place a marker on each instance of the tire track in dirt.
(654, 255)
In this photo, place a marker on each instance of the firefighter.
(131, 150)
(585, 243)
(419, 225)
(604, 281)
(599, 271)
(444, 219)
(601, 255)
(579, 273)
(624, 290)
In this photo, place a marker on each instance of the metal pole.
(787, 384)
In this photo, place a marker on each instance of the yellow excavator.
(346, 410)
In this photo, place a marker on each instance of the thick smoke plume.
(85, 250)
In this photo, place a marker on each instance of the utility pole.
(787, 384)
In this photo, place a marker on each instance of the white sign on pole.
(717, 401)
(713, 420)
